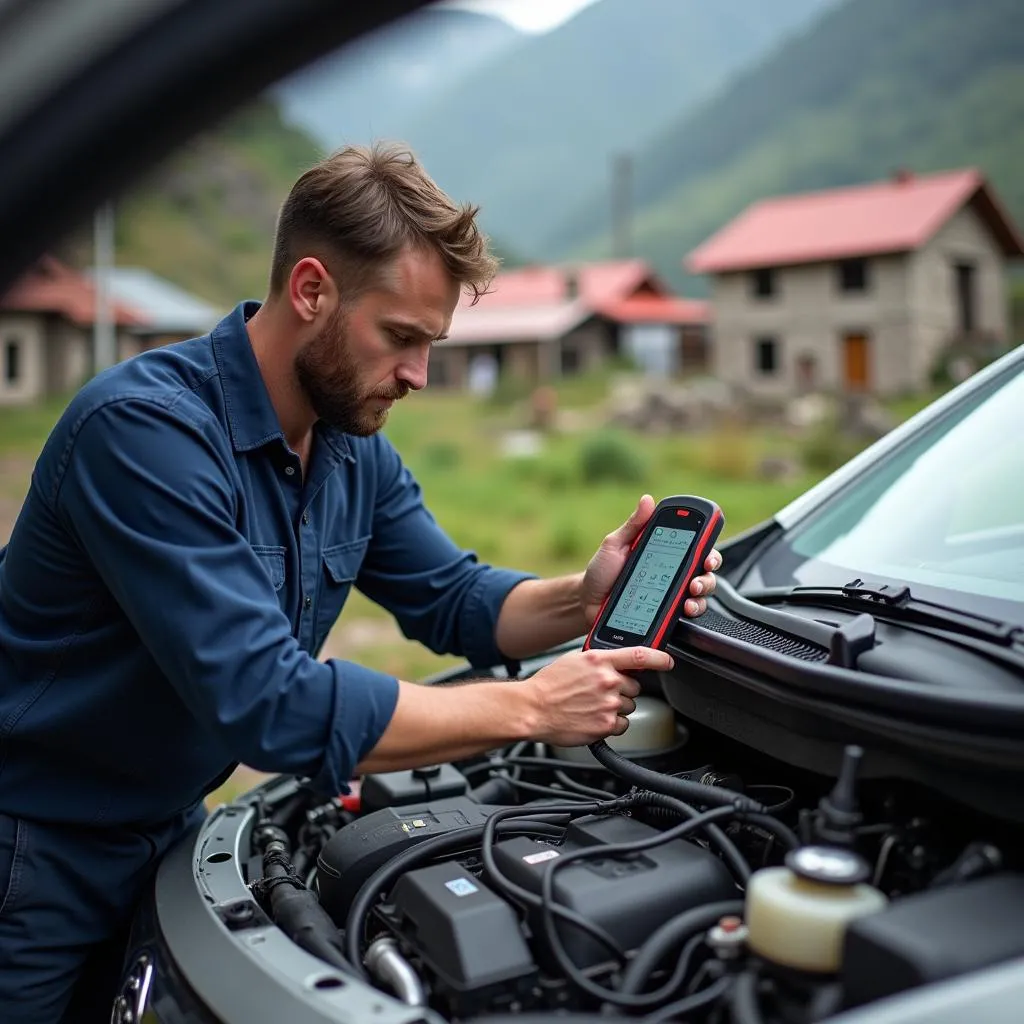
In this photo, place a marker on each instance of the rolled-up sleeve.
(440, 594)
(147, 490)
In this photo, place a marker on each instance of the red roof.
(898, 215)
(596, 283)
(52, 287)
(661, 309)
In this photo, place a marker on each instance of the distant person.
(483, 375)
(194, 525)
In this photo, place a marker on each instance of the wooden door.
(856, 376)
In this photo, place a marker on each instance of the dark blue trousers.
(67, 895)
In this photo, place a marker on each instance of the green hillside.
(872, 86)
(205, 220)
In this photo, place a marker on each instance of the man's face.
(374, 351)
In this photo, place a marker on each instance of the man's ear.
(310, 289)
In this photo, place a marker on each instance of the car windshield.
(944, 514)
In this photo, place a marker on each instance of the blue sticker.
(461, 887)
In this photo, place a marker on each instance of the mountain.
(533, 128)
(375, 86)
(873, 86)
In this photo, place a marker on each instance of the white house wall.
(27, 330)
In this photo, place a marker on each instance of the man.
(195, 522)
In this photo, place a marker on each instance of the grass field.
(545, 513)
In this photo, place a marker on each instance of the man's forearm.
(434, 724)
(539, 614)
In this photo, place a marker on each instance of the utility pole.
(104, 343)
(622, 203)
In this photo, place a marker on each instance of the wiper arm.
(896, 603)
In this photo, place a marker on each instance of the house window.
(12, 362)
(853, 275)
(762, 283)
(766, 356)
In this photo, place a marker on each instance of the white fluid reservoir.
(797, 915)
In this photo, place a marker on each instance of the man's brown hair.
(357, 209)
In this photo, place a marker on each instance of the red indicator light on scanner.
(682, 511)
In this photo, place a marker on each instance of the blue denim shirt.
(172, 576)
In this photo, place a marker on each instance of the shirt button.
(305, 518)
(289, 470)
(307, 602)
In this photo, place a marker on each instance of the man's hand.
(586, 695)
(605, 566)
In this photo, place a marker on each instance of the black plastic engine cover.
(468, 938)
(628, 896)
(354, 852)
(933, 935)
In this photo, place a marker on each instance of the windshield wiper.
(894, 602)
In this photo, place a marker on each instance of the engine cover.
(629, 896)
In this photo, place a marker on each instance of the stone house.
(540, 323)
(47, 320)
(861, 289)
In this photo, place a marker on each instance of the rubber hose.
(726, 847)
(670, 935)
(683, 789)
(743, 1004)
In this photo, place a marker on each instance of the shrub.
(827, 448)
(566, 540)
(612, 457)
(440, 455)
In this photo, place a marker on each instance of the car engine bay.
(682, 876)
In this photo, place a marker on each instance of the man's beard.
(328, 377)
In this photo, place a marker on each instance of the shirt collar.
(251, 418)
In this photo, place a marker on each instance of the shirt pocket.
(272, 559)
(342, 563)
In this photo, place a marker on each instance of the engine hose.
(387, 965)
(726, 847)
(388, 873)
(296, 910)
(743, 1004)
(673, 932)
(683, 789)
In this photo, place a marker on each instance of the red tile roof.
(52, 287)
(661, 309)
(898, 215)
(595, 283)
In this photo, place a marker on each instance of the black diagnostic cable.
(671, 785)
(548, 903)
